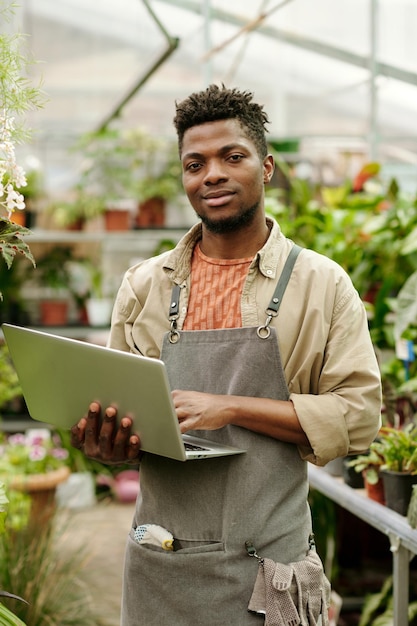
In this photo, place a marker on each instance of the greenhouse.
(223, 196)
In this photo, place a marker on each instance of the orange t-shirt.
(216, 288)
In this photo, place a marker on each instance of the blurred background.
(338, 79)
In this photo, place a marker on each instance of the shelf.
(77, 236)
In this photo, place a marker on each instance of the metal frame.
(403, 538)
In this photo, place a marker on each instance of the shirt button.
(184, 309)
(269, 272)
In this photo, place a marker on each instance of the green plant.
(368, 227)
(53, 268)
(82, 208)
(162, 173)
(11, 243)
(398, 447)
(7, 618)
(369, 463)
(378, 609)
(9, 383)
(35, 565)
(128, 164)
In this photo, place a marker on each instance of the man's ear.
(269, 167)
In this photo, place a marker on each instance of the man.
(289, 379)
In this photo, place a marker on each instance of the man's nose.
(214, 172)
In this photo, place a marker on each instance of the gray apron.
(213, 506)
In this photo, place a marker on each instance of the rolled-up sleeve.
(344, 416)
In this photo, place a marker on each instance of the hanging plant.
(17, 95)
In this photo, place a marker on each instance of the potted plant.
(369, 466)
(124, 168)
(74, 213)
(158, 183)
(54, 277)
(399, 470)
(34, 463)
(90, 291)
(111, 158)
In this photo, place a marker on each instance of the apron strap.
(174, 308)
(283, 280)
(272, 309)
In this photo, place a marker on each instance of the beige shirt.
(327, 355)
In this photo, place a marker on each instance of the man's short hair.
(219, 103)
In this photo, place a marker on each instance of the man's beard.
(230, 224)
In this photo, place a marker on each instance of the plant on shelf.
(75, 212)
(53, 276)
(398, 447)
(91, 291)
(122, 166)
(369, 464)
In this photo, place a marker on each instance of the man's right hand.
(101, 439)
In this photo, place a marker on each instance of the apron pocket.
(185, 546)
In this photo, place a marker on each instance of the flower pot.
(351, 477)
(398, 487)
(99, 311)
(151, 213)
(374, 491)
(41, 488)
(117, 219)
(18, 217)
(77, 492)
(54, 312)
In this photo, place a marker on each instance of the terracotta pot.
(18, 217)
(54, 312)
(42, 489)
(151, 213)
(117, 219)
(374, 492)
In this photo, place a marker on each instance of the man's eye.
(235, 157)
(193, 167)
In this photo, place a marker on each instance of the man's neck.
(239, 245)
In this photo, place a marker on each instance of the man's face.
(223, 174)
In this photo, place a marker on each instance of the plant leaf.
(406, 306)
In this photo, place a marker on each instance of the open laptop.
(60, 377)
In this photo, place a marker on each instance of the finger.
(92, 429)
(107, 434)
(122, 439)
(77, 433)
(134, 452)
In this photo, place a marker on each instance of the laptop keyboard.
(193, 447)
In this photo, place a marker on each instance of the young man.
(301, 385)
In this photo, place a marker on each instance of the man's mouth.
(218, 198)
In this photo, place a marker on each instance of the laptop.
(60, 377)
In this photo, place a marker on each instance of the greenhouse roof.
(338, 77)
